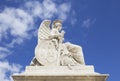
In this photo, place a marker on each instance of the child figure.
(55, 34)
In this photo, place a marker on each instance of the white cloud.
(4, 52)
(73, 18)
(15, 20)
(6, 69)
(15, 41)
(18, 24)
(88, 22)
(48, 9)
(63, 10)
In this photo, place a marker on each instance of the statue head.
(57, 24)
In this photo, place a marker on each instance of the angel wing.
(44, 30)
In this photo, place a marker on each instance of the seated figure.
(52, 51)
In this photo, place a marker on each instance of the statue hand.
(63, 32)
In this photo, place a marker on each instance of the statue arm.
(56, 34)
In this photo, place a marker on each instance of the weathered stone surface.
(60, 78)
(51, 49)
(59, 70)
(60, 73)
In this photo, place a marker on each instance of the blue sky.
(92, 24)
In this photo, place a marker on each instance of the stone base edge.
(102, 77)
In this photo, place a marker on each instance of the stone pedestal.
(60, 73)
(61, 78)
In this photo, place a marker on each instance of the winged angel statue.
(52, 51)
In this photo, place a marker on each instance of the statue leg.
(76, 52)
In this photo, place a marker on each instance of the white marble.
(59, 70)
(51, 49)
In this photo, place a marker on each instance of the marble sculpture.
(51, 49)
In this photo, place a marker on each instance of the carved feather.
(44, 30)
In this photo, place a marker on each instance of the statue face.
(58, 26)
